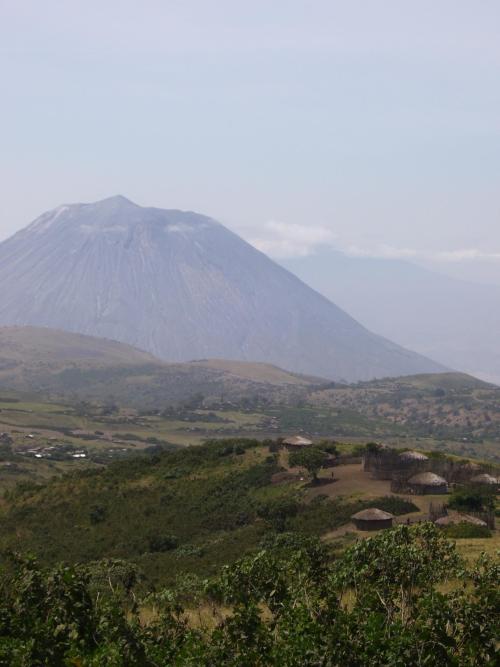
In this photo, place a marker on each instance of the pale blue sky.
(373, 125)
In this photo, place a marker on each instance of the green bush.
(400, 611)
(160, 543)
(97, 514)
(277, 512)
(472, 499)
(189, 550)
(395, 505)
(466, 530)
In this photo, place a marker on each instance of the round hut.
(426, 483)
(372, 519)
(409, 463)
(411, 457)
(297, 442)
(456, 518)
(484, 479)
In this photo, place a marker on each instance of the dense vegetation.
(401, 598)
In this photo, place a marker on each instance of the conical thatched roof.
(459, 518)
(484, 478)
(372, 514)
(413, 456)
(298, 440)
(427, 479)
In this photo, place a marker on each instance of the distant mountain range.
(181, 286)
(454, 321)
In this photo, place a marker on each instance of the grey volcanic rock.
(181, 286)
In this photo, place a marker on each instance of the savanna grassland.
(176, 530)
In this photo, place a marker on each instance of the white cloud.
(281, 239)
(385, 251)
(464, 255)
(381, 250)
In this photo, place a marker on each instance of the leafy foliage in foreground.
(381, 604)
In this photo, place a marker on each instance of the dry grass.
(351, 482)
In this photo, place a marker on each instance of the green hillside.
(186, 511)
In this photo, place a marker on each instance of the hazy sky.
(373, 125)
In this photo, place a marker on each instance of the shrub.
(189, 550)
(395, 505)
(97, 514)
(472, 499)
(160, 543)
(277, 512)
(466, 530)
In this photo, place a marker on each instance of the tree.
(329, 446)
(311, 459)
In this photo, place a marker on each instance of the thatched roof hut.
(372, 519)
(484, 478)
(428, 483)
(413, 457)
(297, 442)
(456, 518)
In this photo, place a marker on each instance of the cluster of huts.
(414, 472)
(376, 519)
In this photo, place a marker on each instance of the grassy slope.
(450, 381)
(258, 372)
(71, 365)
(27, 346)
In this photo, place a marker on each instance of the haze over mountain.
(454, 321)
(181, 286)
